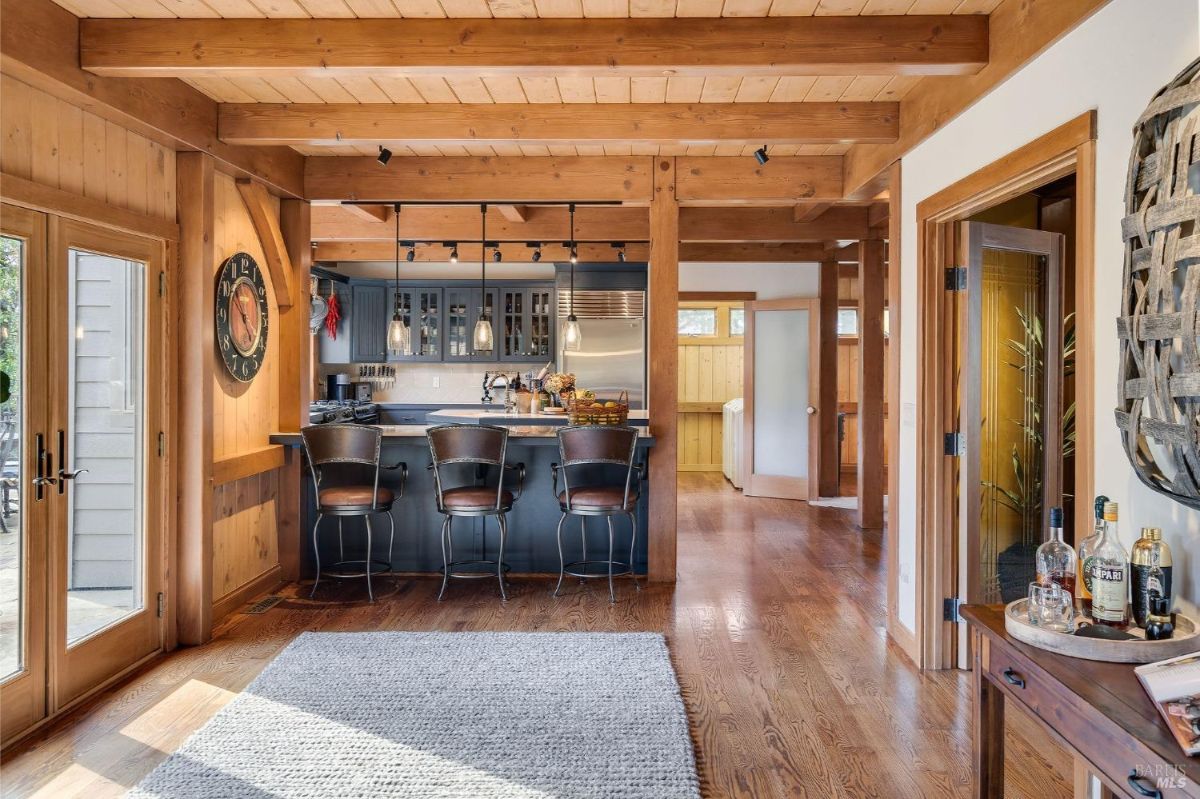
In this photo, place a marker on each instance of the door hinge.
(950, 608)
(956, 278)
(954, 444)
(162, 284)
(162, 444)
(162, 603)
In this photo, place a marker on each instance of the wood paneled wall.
(847, 383)
(711, 374)
(245, 511)
(60, 145)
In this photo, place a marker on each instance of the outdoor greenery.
(10, 322)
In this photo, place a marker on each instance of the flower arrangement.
(558, 382)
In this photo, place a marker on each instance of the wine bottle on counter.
(1109, 571)
(1083, 583)
(1149, 572)
(1055, 558)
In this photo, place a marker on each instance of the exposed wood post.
(828, 451)
(664, 371)
(266, 225)
(295, 377)
(194, 304)
(871, 289)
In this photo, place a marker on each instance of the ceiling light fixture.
(760, 155)
(497, 256)
(384, 156)
(619, 246)
(398, 336)
(411, 255)
(453, 245)
(482, 339)
(572, 336)
(537, 250)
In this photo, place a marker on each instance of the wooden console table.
(1099, 711)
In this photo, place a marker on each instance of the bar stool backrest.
(349, 444)
(475, 444)
(596, 444)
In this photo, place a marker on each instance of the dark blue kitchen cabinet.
(462, 311)
(526, 324)
(421, 309)
(370, 313)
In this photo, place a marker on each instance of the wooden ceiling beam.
(783, 180)
(1019, 31)
(595, 223)
(39, 45)
(809, 213)
(339, 251)
(265, 220)
(370, 213)
(815, 45)
(513, 213)
(331, 124)
(470, 179)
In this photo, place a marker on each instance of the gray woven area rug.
(446, 715)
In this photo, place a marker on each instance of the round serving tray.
(1139, 650)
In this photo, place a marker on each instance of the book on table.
(1174, 686)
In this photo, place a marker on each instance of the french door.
(780, 384)
(81, 489)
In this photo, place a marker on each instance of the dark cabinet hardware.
(1142, 785)
(1013, 678)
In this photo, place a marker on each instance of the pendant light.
(399, 337)
(483, 328)
(572, 337)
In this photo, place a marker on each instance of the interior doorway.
(1004, 320)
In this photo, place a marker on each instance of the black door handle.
(1012, 678)
(1139, 784)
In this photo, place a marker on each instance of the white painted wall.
(1114, 62)
(771, 281)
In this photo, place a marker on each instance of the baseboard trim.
(271, 578)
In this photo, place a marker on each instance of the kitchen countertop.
(477, 416)
(529, 434)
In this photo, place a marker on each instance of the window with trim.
(697, 321)
(847, 323)
(737, 321)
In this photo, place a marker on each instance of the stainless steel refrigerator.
(612, 355)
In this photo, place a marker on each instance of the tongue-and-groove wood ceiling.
(272, 87)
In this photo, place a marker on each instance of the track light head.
(453, 251)
(497, 256)
(574, 255)
(411, 255)
(537, 250)
(384, 156)
(760, 155)
(619, 246)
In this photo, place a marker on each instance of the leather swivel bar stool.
(597, 446)
(340, 456)
(480, 447)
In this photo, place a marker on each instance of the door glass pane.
(106, 412)
(781, 393)
(12, 576)
(1013, 397)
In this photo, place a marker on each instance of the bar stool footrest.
(337, 571)
(625, 569)
(475, 575)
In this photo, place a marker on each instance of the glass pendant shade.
(483, 335)
(399, 338)
(572, 336)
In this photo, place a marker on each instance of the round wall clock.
(241, 316)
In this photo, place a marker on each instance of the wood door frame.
(25, 692)
(70, 683)
(1069, 148)
(812, 305)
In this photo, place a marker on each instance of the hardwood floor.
(776, 630)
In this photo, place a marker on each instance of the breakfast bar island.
(530, 547)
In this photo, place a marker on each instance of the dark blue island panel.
(530, 548)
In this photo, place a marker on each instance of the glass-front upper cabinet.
(464, 304)
(526, 330)
(422, 310)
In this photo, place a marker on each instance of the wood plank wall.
(847, 392)
(709, 373)
(245, 513)
(60, 145)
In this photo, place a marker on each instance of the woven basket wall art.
(1159, 381)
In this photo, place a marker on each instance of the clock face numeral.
(241, 316)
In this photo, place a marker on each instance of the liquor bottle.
(1055, 558)
(1149, 570)
(1109, 571)
(1083, 583)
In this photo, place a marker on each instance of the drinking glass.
(1051, 607)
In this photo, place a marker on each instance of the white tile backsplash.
(433, 383)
